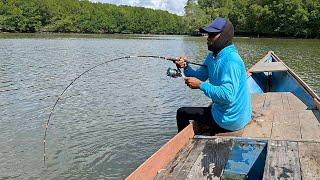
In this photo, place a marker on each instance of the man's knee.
(181, 112)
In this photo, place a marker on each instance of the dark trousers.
(200, 114)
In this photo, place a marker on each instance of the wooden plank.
(295, 103)
(268, 67)
(238, 133)
(180, 167)
(286, 126)
(310, 126)
(212, 160)
(282, 161)
(183, 173)
(258, 100)
(309, 154)
(260, 126)
(273, 101)
(285, 100)
(317, 102)
(160, 159)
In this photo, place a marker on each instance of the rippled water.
(114, 117)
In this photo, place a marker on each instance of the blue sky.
(173, 6)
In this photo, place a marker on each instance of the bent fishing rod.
(170, 72)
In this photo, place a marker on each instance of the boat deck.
(288, 128)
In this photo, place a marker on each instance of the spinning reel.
(175, 73)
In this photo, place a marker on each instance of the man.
(231, 109)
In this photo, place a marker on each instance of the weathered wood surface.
(282, 161)
(273, 101)
(183, 161)
(211, 161)
(201, 159)
(232, 133)
(310, 126)
(317, 102)
(277, 101)
(294, 103)
(260, 126)
(302, 125)
(309, 154)
(281, 116)
(286, 126)
(268, 67)
(258, 101)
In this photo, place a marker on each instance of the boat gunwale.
(156, 162)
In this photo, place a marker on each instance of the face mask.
(210, 46)
(224, 40)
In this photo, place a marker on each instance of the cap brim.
(209, 30)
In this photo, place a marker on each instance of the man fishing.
(224, 68)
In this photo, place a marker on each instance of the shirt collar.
(225, 50)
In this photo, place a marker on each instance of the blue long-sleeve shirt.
(227, 87)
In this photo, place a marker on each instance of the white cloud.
(173, 6)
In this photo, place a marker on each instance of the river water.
(114, 117)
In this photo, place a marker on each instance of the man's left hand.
(192, 82)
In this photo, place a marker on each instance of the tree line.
(84, 17)
(295, 18)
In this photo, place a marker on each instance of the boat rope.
(86, 71)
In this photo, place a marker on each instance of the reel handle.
(188, 62)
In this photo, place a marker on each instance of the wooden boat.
(281, 142)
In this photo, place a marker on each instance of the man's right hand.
(181, 62)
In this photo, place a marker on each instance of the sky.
(173, 6)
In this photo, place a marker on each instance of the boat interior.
(282, 141)
(278, 143)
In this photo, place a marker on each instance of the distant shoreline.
(237, 35)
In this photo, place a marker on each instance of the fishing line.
(90, 69)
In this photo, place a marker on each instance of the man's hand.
(192, 82)
(181, 63)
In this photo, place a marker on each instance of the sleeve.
(225, 92)
(200, 73)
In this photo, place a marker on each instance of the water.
(115, 116)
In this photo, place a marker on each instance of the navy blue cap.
(216, 26)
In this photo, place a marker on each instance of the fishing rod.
(170, 72)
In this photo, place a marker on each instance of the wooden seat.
(268, 67)
(280, 116)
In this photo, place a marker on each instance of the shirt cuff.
(186, 70)
(187, 67)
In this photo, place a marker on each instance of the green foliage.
(297, 18)
(83, 16)
(195, 16)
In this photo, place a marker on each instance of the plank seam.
(264, 100)
(299, 117)
(273, 114)
(299, 160)
(282, 102)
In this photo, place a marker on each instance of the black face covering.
(224, 40)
